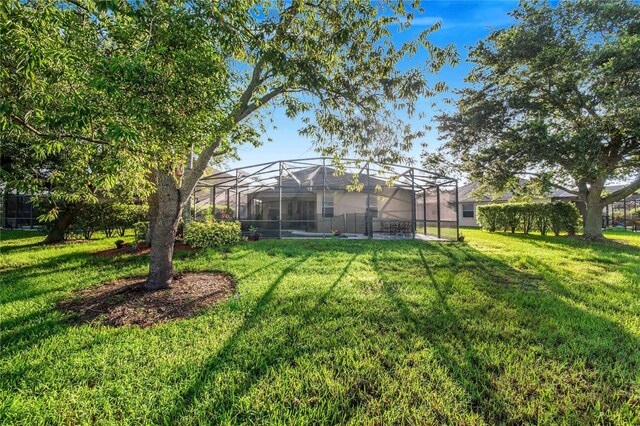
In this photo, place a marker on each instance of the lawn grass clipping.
(499, 329)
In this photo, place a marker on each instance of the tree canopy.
(147, 82)
(555, 97)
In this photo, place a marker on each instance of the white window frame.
(328, 204)
(465, 212)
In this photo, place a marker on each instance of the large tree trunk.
(153, 217)
(61, 224)
(593, 216)
(170, 202)
(164, 233)
(593, 221)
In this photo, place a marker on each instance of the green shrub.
(127, 215)
(570, 217)
(557, 217)
(212, 233)
(510, 217)
(140, 230)
(111, 218)
(89, 219)
(541, 217)
(487, 216)
(527, 217)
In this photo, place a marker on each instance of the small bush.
(140, 230)
(127, 215)
(89, 219)
(118, 217)
(527, 217)
(569, 217)
(212, 233)
(511, 217)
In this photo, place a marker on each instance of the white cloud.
(426, 21)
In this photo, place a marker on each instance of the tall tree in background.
(166, 76)
(556, 97)
(62, 180)
(61, 141)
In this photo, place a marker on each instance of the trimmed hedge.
(212, 233)
(511, 217)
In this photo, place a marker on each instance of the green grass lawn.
(500, 329)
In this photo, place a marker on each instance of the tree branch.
(22, 123)
(565, 189)
(78, 5)
(255, 82)
(190, 181)
(556, 185)
(622, 192)
(250, 108)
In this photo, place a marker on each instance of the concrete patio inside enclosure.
(318, 197)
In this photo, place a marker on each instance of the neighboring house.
(468, 202)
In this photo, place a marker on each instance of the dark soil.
(140, 249)
(125, 302)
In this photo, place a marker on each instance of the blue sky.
(464, 22)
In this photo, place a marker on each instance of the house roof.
(312, 177)
(308, 173)
(465, 194)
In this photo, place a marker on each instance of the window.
(328, 206)
(468, 210)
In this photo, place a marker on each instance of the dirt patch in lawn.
(138, 250)
(125, 302)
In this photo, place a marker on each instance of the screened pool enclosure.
(315, 198)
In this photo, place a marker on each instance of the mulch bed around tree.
(140, 249)
(125, 302)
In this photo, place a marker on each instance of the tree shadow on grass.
(566, 243)
(17, 283)
(558, 333)
(50, 280)
(8, 240)
(565, 257)
(439, 324)
(13, 249)
(597, 356)
(592, 349)
(596, 352)
(269, 356)
(225, 354)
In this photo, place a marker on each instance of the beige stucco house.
(306, 191)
